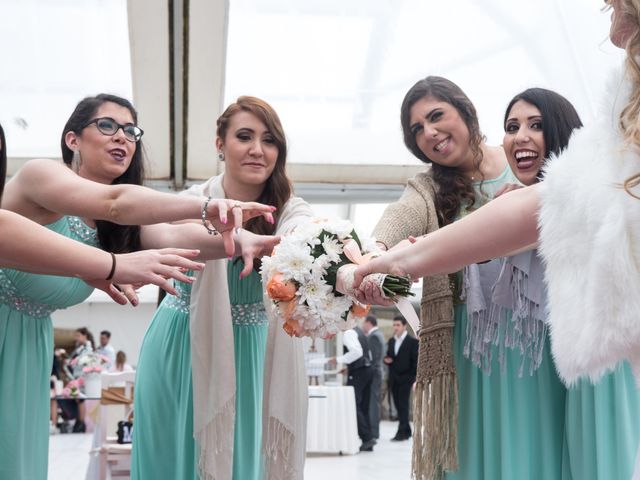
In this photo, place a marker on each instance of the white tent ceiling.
(336, 70)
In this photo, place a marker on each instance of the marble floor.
(68, 459)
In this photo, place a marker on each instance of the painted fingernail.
(270, 219)
(224, 221)
(229, 257)
(134, 302)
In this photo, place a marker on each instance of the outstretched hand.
(253, 247)
(148, 266)
(219, 210)
(367, 292)
(110, 289)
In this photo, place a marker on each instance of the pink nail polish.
(224, 221)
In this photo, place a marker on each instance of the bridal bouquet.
(309, 278)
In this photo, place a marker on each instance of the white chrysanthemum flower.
(334, 307)
(332, 248)
(307, 231)
(294, 261)
(341, 228)
(314, 293)
(369, 245)
(266, 267)
(319, 270)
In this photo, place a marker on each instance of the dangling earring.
(221, 156)
(76, 161)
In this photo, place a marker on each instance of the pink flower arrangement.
(72, 389)
(92, 369)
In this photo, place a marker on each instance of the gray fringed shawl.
(512, 315)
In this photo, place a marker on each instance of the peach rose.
(281, 290)
(360, 310)
(290, 325)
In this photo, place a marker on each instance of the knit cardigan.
(436, 402)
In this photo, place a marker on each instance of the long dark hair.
(3, 161)
(277, 189)
(559, 118)
(454, 188)
(85, 331)
(112, 237)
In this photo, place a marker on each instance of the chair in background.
(116, 404)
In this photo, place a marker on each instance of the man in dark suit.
(377, 345)
(402, 359)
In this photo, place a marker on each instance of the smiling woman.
(537, 124)
(230, 356)
(72, 205)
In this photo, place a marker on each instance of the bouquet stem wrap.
(345, 278)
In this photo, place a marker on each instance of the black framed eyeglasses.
(108, 126)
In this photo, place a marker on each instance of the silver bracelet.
(207, 225)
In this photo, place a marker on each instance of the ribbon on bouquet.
(345, 279)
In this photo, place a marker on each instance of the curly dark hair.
(455, 190)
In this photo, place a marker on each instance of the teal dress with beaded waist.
(26, 354)
(163, 443)
(250, 328)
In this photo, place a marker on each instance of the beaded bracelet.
(210, 228)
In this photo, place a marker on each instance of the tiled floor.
(69, 457)
(389, 460)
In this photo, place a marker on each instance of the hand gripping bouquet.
(309, 278)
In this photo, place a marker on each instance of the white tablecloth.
(332, 425)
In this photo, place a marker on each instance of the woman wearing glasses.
(98, 202)
(21, 241)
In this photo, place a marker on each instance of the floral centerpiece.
(90, 365)
(72, 388)
(309, 278)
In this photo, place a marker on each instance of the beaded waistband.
(249, 314)
(242, 314)
(9, 297)
(180, 304)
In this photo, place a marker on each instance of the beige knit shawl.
(435, 410)
(285, 394)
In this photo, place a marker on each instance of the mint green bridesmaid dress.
(163, 443)
(250, 328)
(26, 357)
(510, 427)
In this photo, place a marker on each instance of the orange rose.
(281, 290)
(290, 325)
(360, 310)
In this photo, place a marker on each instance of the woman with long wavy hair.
(466, 396)
(586, 217)
(228, 383)
(93, 201)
